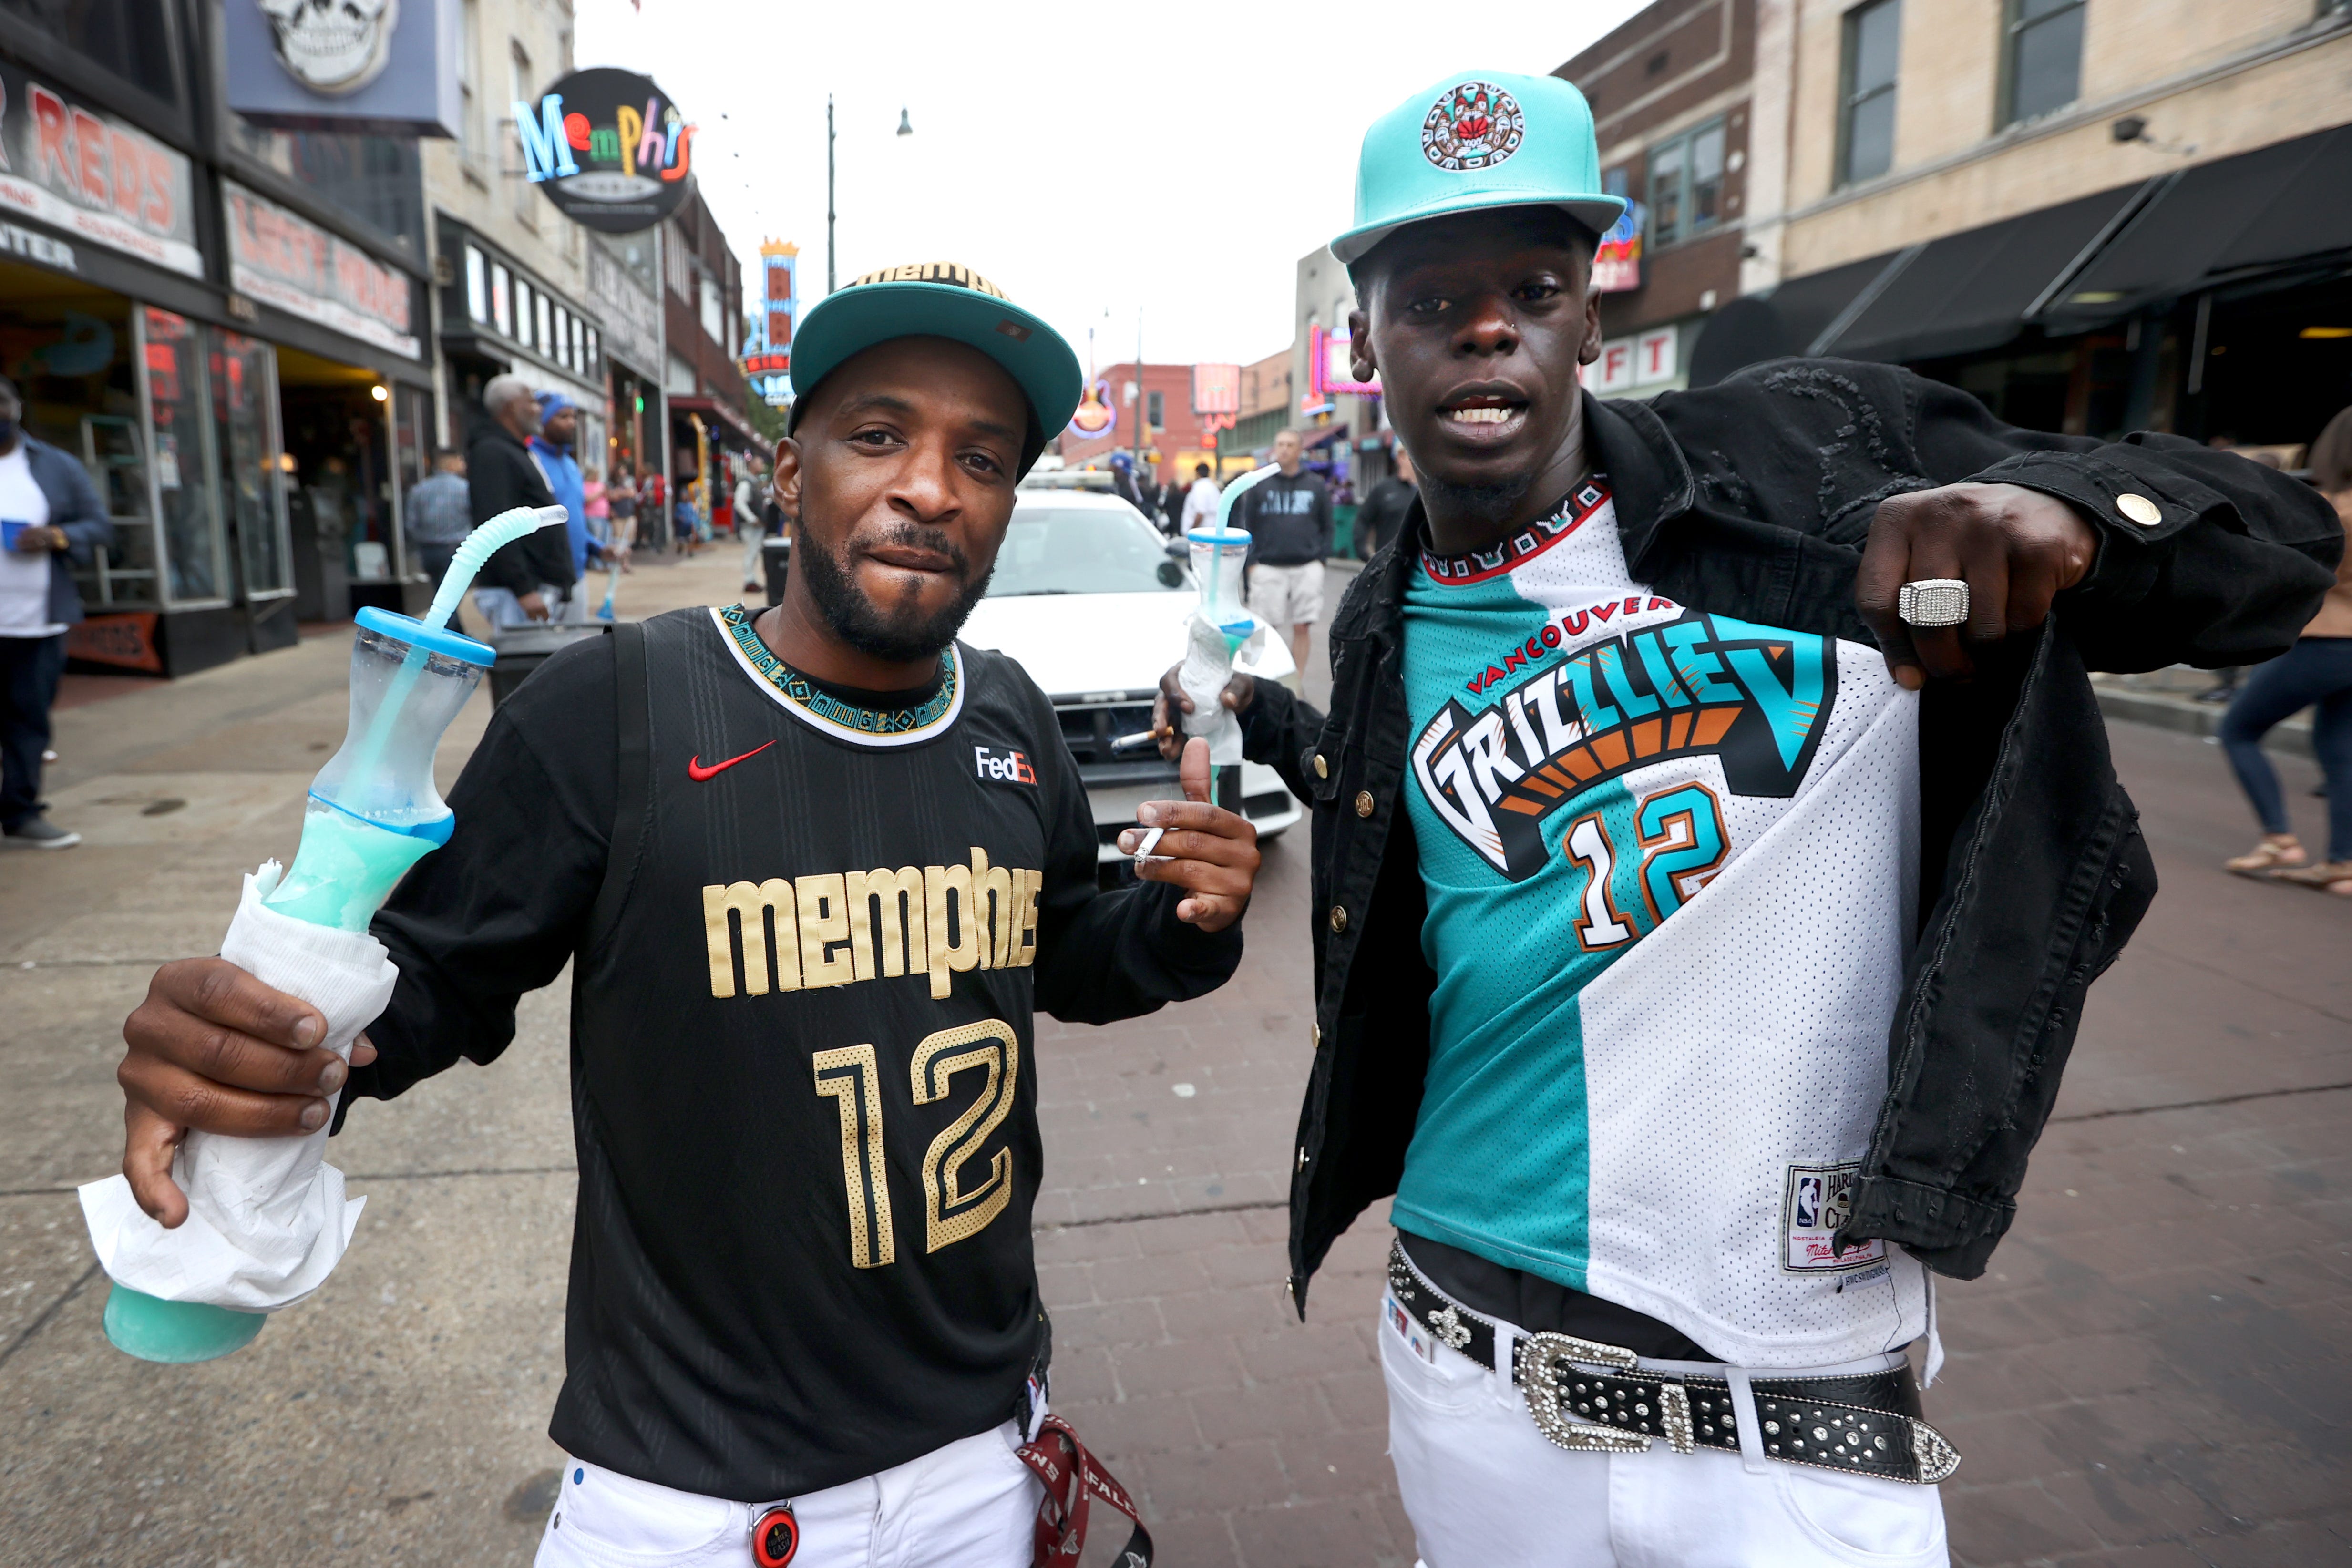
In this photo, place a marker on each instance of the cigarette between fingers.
(1151, 837)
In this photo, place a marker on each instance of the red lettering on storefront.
(54, 141)
(128, 168)
(89, 139)
(155, 204)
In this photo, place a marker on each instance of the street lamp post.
(906, 128)
(829, 274)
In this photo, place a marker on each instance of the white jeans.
(1483, 1487)
(972, 1504)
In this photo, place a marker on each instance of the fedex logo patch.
(1012, 767)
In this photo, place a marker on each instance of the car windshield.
(1072, 550)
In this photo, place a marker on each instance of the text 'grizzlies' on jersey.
(1671, 860)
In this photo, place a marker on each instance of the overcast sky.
(1087, 158)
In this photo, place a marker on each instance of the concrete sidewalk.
(2154, 1371)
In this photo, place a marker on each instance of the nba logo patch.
(1820, 1199)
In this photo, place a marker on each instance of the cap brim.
(1599, 213)
(846, 323)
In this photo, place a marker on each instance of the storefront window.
(412, 416)
(242, 373)
(130, 39)
(501, 311)
(195, 555)
(477, 286)
(523, 313)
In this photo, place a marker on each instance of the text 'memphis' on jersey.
(1670, 858)
(805, 1095)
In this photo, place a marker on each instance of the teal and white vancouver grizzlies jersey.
(1672, 859)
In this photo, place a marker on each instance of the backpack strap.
(633, 811)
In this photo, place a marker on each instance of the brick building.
(1671, 93)
(1172, 439)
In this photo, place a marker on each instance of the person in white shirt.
(1200, 500)
(48, 509)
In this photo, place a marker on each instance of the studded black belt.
(1589, 1397)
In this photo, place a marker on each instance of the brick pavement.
(2152, 1374)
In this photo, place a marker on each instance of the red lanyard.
(1073, 1478)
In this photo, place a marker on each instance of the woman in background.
(2317, 671)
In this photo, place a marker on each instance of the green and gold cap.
(939, 299)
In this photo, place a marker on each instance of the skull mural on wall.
(332, 47)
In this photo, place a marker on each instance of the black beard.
(1488, 506)
(878, 633)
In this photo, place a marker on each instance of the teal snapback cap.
(1479, 139)
(938, 299)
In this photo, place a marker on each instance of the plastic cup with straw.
(373, 812)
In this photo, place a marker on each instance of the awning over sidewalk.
(1970, 291)
(2219, 222)
(1760, 327)
(724, 422)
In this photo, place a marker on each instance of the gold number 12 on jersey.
(852, 1076)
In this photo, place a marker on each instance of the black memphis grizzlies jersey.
(804, 1065)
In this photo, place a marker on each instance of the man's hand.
(533, 606)
(213, 1047)
(2016, 549)
(1212, 851)
(1168, 730)
(42, 542)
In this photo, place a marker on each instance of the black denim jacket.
(1753, 499)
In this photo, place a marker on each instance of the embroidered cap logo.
(1474, 125)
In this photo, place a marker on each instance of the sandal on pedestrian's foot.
(2271, 854)
(2329, 876)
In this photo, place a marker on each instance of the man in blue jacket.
(48, 514)
(551, 449)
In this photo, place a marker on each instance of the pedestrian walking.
(2316, 672)
(533, 577)
(1288, 517)
(440, 514)
(50, 522)
(621, 495)
(805, 1302)
(551, 448)
(1666, 980)
(750, 524)
(1383, 513)
(1200, 502)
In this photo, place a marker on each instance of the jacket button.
(1318, 1037)
(2139, 510)
(1302, 1156)
(1322, 769)
(1338, 917)
(1364, 802)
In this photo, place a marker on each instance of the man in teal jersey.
(1697, 950)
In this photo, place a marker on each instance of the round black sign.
(609, 148)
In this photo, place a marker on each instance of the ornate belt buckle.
(1549, 1372)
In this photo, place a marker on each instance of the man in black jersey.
(814, 870)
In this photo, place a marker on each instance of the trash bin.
(522, 649)
(776, 556)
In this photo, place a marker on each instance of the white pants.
(1287, 596)
(1483, 1487)
(972, 1504)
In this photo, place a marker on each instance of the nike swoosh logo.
(698, 772)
